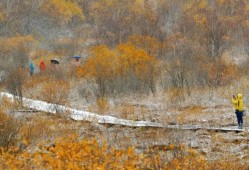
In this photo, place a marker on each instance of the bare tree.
(17, 73)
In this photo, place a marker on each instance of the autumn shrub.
(72, 153)
(6, 104)
(55, 91)
(9, 130)
(150, 44)
(122, 70)
(36, 80)
(38, 128)
(15, 83)
(138, 69)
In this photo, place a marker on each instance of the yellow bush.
(71, 153)
(9, 130)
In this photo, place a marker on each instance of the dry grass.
(47, 128)
(9, 130)
(36, 129)
(35, 80)
(102, 105)
(190, 114)
(127, 111)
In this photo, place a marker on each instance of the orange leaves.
(123, 68)
(130, 152)
(150, 44)
(72, 153)
(135, 60)
(171, 146)
(123, 60)
(103, 63)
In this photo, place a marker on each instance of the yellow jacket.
(240, 103)
(235, 102)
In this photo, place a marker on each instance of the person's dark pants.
(239, 115)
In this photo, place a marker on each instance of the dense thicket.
(185, 40)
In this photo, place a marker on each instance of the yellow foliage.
(71, 153)
(150, 44)
(103, 63)
(125, 59)
(221, 2)
(200, 19)
(135, 60)
(62, 9)
(137, 7)
(203, 4)
(171, 146)
(38, 128)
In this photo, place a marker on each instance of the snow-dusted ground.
(78, 114)
(93, 117)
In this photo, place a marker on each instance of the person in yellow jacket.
(239, 109)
